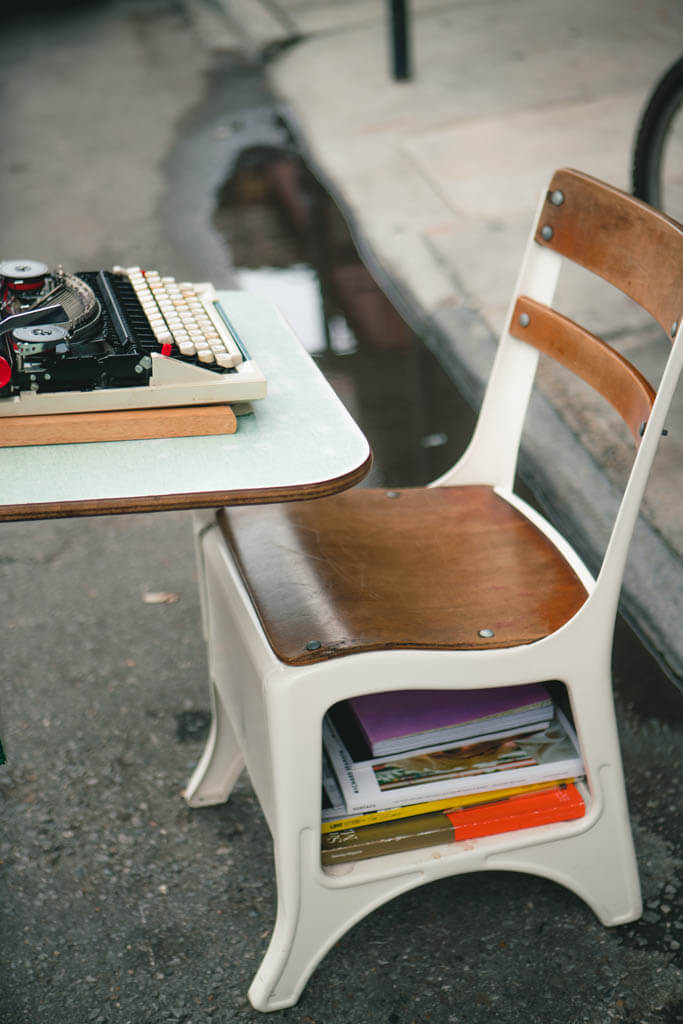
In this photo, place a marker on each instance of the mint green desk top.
(299, 442)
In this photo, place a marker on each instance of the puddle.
(290, 243)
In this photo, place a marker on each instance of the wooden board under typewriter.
(122, 425)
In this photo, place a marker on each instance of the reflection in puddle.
(295, 291)
(290, 244)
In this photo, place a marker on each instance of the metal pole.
(400, 44)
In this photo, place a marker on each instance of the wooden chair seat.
(374, 570)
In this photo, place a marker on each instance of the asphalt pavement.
(117, 902)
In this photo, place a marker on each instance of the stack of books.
(415, 768)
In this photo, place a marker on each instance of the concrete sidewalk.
(440, 176)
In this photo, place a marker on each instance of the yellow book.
(408, 810)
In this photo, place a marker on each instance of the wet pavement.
(118, 902)
(289, 243)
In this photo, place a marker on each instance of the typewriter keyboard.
(182, 315)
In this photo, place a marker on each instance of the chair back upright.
(639, 251)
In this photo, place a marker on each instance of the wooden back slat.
(586, 355)
(637, 249)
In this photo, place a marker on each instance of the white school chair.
(456, 585)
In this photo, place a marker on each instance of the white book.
(489, 763)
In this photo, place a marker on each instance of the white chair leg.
(599, 865)
(311, 917)
(221, 762)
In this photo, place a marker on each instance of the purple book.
(408, 719)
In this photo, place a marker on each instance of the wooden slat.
(121, 425)
(423, 568)
(636, 248)
(590, 358)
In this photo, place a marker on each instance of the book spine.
(529, 810)
(357, 844)
(337, 824)
(343, 767)
(559, 803)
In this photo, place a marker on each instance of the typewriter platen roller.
(126, 338)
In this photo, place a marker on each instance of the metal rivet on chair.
(524, 319)
(313, 645)
(546, 232)
(393, 494)
(557, 197)
(486, 634)
(674, 328)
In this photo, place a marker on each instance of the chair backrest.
(640, 252)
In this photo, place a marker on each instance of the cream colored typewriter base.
(173, 382)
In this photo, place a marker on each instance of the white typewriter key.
(205, 355)
(225, 359)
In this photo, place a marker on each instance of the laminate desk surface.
(298, 442)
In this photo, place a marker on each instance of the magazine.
(399, 720)
(346, 724)
(486, 764)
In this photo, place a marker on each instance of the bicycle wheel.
(657, 169)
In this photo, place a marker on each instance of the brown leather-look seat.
(439, 567)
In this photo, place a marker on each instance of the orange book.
(561, 803)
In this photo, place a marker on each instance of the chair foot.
(221, 762)
(598, 864)
(311, 917)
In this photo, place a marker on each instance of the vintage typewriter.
(120, 339)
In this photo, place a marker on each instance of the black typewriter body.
(115, 339)
(72, 331)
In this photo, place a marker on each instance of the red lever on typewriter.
(5, 372)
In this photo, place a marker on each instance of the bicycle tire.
(653, 132)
